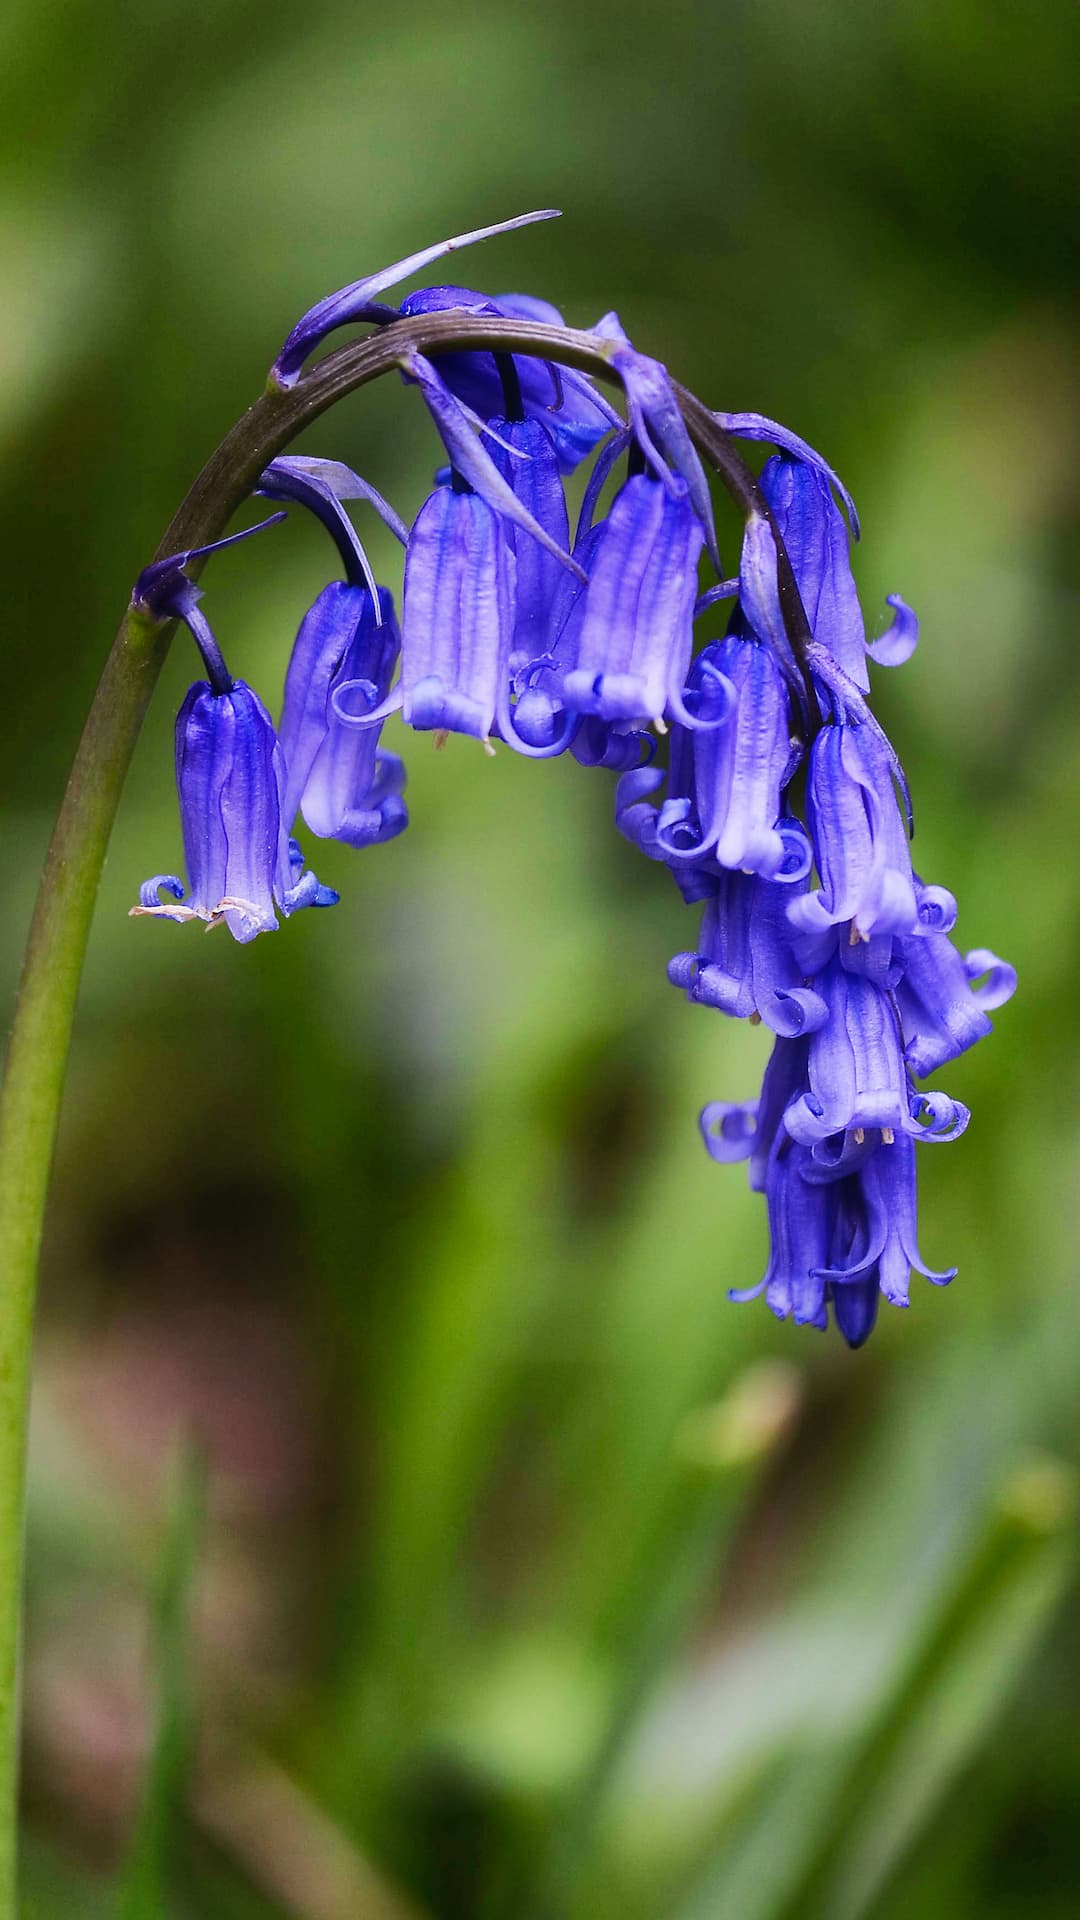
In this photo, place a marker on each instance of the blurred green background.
(536, 1580)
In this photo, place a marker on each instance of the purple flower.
(636, 631)
(525, 456)
(813, 531)
(860, 844)
(458, 620)
(336, 776)
(800, 1222)
(879, 1242)
(241, 863)
(943, 1008)
(858, 1078)
(727, 779)
(839, 1240)
(744, 964)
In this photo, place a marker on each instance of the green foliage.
(402, 1212)
(147, 1873)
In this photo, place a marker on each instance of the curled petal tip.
(1000, 981)
(897, 644)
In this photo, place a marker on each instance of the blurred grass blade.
(143, 1886)
(288, 1848)
(883, 1786)
(718, 1452)
(978, 1655)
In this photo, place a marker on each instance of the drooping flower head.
(337, 776)
(241, 863)
(230, 776)
(856, 972)
(777, 802)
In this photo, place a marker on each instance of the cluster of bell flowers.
(818, 927)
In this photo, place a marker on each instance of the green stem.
(45, 1008)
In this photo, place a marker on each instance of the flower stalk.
(40, 1035)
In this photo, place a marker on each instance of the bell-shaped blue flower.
(859, 839)
(335, 773)
(524, 454)
(944, 997)
(458, 619)
(637, 620)
(230, 777)
(744, 964)
(858, 1078)
(840, 1241)
(877, 1243)
(800, 1224)
(813, 531)
(727, 779)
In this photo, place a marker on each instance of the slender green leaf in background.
(409, 1198)
(825, 1845)
(145, 1892)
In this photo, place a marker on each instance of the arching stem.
(45, 1008)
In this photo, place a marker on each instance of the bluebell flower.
(525, 455)
(860, 842)
(839, 1240)
(458, 620)
(542, 714)
(336, 775)
(744, 964)
(873, 1243)
(822, 932)
(230, 776)
(944, 997)
(724, 796)
(813, 531)
(858, 977)
(240, 861)
(459, 612)
(800, 1224)
(346, 787)
(635, 637)
(858, 1077)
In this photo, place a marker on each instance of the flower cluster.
(782, 809)
(856, 976)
